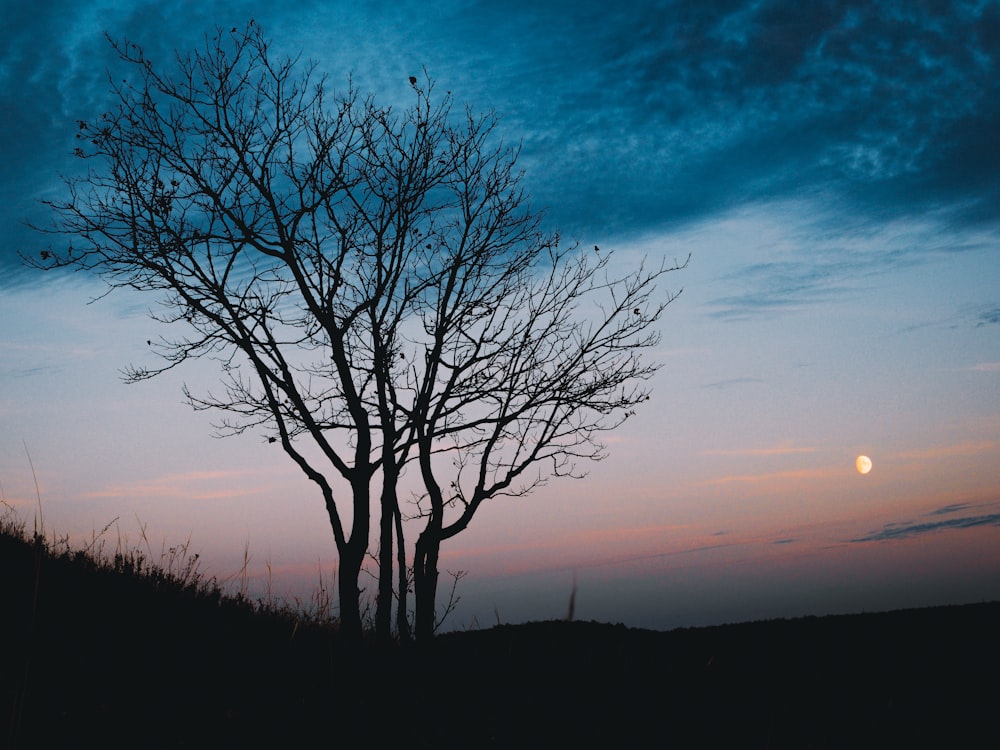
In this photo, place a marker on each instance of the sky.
(833, 170)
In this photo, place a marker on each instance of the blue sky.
(834, 170)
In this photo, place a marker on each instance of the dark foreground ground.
(107, 660)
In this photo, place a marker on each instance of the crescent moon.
(864, 464)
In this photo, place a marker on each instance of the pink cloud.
(776, 476)
(197, 485)
(779, 450)
(967, 448)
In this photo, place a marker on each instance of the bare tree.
(373, 285)
(530, 354)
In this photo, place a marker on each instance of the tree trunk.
(383, 604)
(402, 623)
(425, 580)
(351, 559)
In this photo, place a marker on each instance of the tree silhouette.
(373, 284)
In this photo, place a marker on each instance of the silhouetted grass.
(98, 640)
(122, 649)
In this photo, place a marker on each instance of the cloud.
(948, 509)
(816, 255)
(29, 372)
(967, 448)
(991, 316)
(906, 530)
(785, 284)
(677, 112)
(985, 367)
(728, 383)
(518, 567)
(779, 450)
(776, 476)
(230, 483)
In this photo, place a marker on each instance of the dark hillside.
(143, 657)
(145, 661)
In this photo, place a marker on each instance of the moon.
(864, 464)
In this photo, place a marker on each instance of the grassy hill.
(117, 653)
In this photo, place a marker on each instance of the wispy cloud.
(818, 256)
(783, 285)
(905, 530)
(988, 316)
(29, 372)
(778, 450)
(965, 448)
(730, 382)
(949, 509)
(776, 476)
(942, 518)
(517, 567)
(199, 485)
(985, 367)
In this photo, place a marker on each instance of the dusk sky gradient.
(833, 168)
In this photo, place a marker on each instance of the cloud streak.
(810, 263)
(234, 484)
(779, 450)
(988, 317)
(776, 476)
(906, 530)
(730, 382)
(966, 448)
